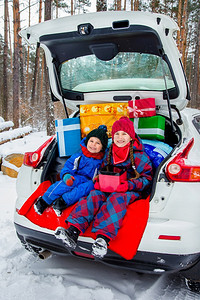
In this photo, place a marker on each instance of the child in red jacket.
(107, 210)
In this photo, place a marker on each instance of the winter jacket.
(143, 166)
(84, 169)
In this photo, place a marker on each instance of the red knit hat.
(124, 124)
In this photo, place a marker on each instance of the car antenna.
(60, 90)
(167, 93)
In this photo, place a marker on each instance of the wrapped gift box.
(93, 115)
(141, 108)
(150, 127)
(68, 136)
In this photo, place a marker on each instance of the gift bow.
(136, 111)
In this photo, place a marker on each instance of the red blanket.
(128, 238)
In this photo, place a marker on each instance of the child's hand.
(68, 179)
(96, 179)
(123, 187)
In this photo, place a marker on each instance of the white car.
(111, 57)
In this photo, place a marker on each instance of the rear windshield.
(126, 71)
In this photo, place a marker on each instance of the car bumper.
(144, 262)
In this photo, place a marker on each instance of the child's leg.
(55, 191)
(78, 192)
(85, 210)
(110, 216)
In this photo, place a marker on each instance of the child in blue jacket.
(77, 174)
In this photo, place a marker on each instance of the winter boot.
(100, 246)
(40, 206)
(68, 236)
(59, 205)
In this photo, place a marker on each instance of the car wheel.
(193, 285)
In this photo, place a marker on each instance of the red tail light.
(179, 170)
(170, 237)
(32, 159)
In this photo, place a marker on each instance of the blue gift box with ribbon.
(68, 136)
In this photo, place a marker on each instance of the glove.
(96, 185)
(68, 179)
(123, 187)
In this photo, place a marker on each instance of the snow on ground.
(24, 276)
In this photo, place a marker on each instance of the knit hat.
(99, 133)
(124, 124)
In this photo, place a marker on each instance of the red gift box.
(142, 108)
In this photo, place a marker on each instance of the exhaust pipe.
(44, 254)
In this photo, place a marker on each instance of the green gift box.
(150, 127)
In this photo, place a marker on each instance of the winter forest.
(25, 96)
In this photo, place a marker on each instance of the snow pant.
(105, 210)
(70, 194)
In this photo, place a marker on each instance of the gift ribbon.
(60, 129)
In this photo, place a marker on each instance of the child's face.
(94, 145)
(121, 138)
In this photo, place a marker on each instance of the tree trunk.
(21, 70)
(10, 43)
(124, 4)
(195, 79)
(39, 79)
(36, 78)
(178, 41)
(16, 65)
(49, 105)
(119, 5)
(28, 51)
(42, 79)
(136, 5)
(5, 61)
(35, 75)
(132, 5)
(72, 7)
(184, 33)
